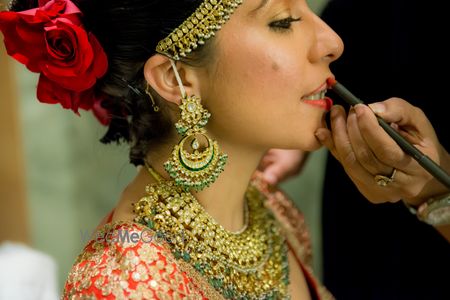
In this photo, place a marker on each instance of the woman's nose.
(329, 45)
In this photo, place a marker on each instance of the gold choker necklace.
(250, 264)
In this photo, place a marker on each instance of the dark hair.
(129, 31)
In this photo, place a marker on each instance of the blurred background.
(57, 181)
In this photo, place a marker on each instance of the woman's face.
(268, 57)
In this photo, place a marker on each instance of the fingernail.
(270, 178)
(394, 125)
(378, 107)
(333, 112)
(359, 110)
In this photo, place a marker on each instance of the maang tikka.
(196, 161)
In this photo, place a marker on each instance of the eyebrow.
(261, 5)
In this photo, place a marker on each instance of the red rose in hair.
(52, 41)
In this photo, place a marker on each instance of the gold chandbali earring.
(196, 161)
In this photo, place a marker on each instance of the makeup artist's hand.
(280, 164)
(365, 150)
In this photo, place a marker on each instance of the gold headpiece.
(199, 27)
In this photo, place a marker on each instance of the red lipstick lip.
(325, 103)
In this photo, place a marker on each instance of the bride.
(200, 90)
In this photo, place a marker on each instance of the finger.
(340, 137)
(272, 174)
(342, 146)
(381, 194)
(265, 161)
(411, 136)
(325, 138)
(382, 145)
(268, 158)
(368, 186)
(362, 178)
(363, 153)
(411, 118)
(412, 176)
(396, 110)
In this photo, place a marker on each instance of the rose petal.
(74, 73)
(83, 45)
(31, 34)
(54, 8)
(42, 2)
(61, 47)
(49, 92)
(18, 35)
(101, 61)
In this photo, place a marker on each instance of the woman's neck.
(224, 200)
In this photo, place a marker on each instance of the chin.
(314, 143)
(316, 146)
(309, 145)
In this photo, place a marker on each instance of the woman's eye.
(283, 24)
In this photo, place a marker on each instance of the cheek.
(259, 73)
(254, 52)
(256, 88)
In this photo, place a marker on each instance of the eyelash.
(284, 24)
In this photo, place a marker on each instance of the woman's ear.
(160, 75)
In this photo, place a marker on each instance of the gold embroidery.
(209, 291)
(127, 270)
